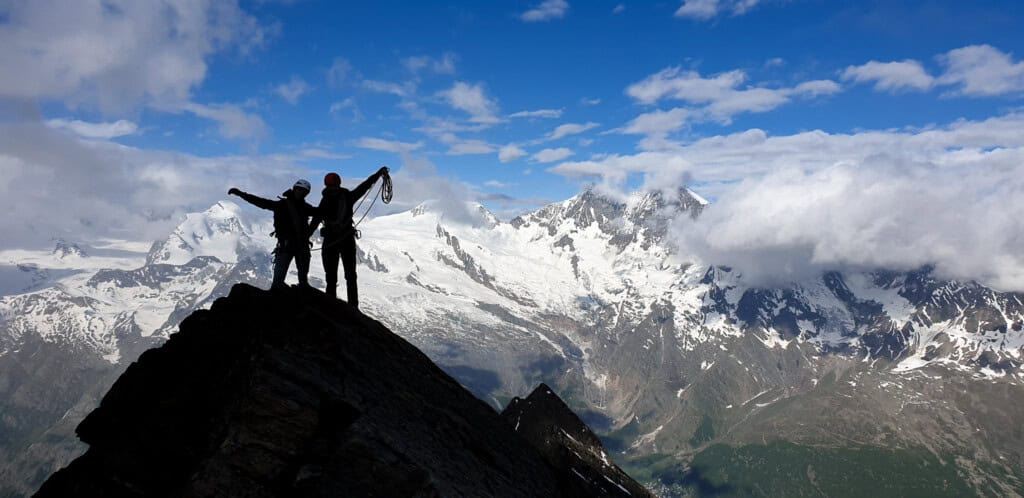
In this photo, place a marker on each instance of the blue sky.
(159, 106)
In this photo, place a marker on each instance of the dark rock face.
(294, 394)
(569, 446)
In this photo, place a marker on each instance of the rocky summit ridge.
(291, 393)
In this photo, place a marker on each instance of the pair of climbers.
(293, 229)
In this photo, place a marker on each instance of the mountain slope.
(295, 394)
(663, 354)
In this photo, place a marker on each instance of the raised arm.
(360, 191)
(253, 199)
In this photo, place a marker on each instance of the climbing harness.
(385, 191)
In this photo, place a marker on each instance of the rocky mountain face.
(294, 394)
(673, 361)
(568, 444)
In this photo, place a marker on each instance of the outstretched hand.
(234, 191)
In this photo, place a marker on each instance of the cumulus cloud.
(571, 129)
(55, 184)
(791, 206)
(400, 90)
(115, 55)
(419, 182)
(546, 11)
(539, 113)
(293, 90)
(717, 98)
(703, 10)
(974, 71)
(657, 125)
(698, 9)
(84, 129)
(339, 71)
(444, 65)
(234, 122)
(510, 153)
(465, 147)
(472, 100)
(721, 94)
(891, 76)
(982, 71)
(387, 145)
(552, 155)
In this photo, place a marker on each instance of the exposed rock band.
(293, 229)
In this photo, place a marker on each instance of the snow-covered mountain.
(668, 354)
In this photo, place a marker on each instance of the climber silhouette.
(291, 226)
(339, 233)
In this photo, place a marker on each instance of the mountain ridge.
(290, 393)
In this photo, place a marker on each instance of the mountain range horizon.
(675, 363)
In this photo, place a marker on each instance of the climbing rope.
(385, 191)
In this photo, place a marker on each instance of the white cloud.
(816, 88)
(571, 129)
(703, 10)
(698, 9)
(472, 100)
(387, 145)
(659, 123)
(791, 206)
(510, 153)
(982, 71)
(316, 153)
(496, 184)
(83, 129)
(546, 11)
(891, 76)
(339, 71)
(552, 155)
(721, 94)
(620, 8)
(419, 182)
(293, 90)
(540, 113)
(112, 190)
(344, 104)
(464, 147)
(404, 90)
(115, 57)
(444, 65)
(590, 102)
(234, 122)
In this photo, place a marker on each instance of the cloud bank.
(116, 54)
(789, 207)
(55, 184)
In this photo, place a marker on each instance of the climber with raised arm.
(291, 227)
(339, 233)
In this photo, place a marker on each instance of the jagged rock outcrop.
(569, 445)
(294, 394)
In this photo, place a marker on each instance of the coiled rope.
(385, 191)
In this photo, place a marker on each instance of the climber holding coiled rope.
(336, 210)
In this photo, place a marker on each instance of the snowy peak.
(220, 232)
(67, 250)
(469, 213)
(641, 211)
